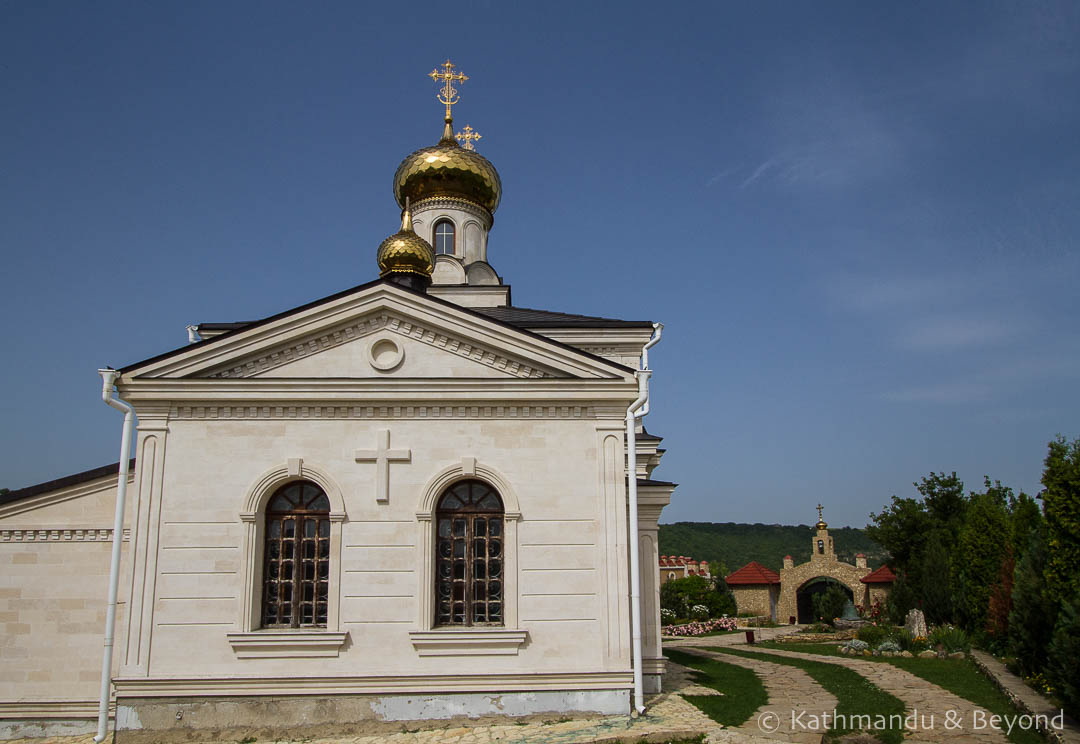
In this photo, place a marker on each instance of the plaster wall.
(566, 588)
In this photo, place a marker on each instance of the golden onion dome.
(447, 169)
(405, 252)
(821, 524)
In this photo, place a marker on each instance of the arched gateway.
(788, 596)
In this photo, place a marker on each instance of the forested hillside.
(737, 544)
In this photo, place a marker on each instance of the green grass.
(855, 695)
(959, 676)
(741, 691)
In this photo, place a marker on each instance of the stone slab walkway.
(1026, 698)
(942, 716)
(793, 696)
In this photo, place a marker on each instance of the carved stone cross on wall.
(382, 457)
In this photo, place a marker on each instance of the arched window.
(296, 568)
(821, 546)
(469, 587)
(444, 237)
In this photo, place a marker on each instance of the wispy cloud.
(948, 332)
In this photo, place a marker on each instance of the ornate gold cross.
(819, 512)
(448, 96)
(467, 137)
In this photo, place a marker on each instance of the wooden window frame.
(296, 563)
(480, 532)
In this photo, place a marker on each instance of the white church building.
(407, 500)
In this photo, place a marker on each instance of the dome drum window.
(444, 237)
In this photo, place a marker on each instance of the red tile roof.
(882, 575)
(753, 573)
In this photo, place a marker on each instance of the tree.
(997, 616)
(901, 529)
(945, 502)
(4, 491)
(1061, 479)
(1026, 516)
(1031, 621)
(901, 600)
(679, 595)
(937, 600)
(976, 560)
(1062, 654)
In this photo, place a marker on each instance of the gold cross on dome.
(819, 512)
(467, 137)
(448, 96)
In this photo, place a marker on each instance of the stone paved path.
(918, 695)
(791, 692)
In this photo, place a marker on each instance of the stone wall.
(759, 599)
(55, 551)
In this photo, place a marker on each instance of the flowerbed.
(701, 628)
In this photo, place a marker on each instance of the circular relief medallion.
(385, 354)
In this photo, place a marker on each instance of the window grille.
(296, 568)
(469, 556)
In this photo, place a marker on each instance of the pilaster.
(152, 433)
(651, 501)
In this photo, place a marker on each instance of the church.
(408, 500)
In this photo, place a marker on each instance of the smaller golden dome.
(821, 524)
(405, 252)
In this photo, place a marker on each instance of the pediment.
(376, 331)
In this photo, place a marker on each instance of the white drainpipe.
(637, 409)
(108, 380)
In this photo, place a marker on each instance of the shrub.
(667, 616)
(906, 642)
(951, 638)
(856, 645)
(872, 634)
(892, 646)
(700, 629)
(829, 605)
(699, 612)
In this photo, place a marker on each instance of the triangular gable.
(333, 338)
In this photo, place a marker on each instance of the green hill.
(737, 544)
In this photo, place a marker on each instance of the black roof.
(651, 482)
(68, 480)
(529, 318)
(522, 317)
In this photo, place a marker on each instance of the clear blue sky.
(858, 221)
